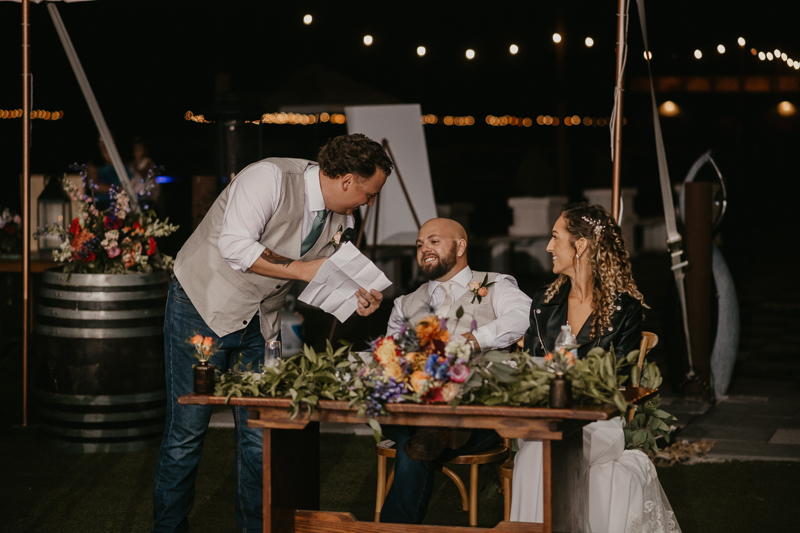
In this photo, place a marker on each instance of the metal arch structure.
(726, 341)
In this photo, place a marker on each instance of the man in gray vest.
(273, 224)
(499, 319)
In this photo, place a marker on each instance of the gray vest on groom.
(417, 306)
(226, 298)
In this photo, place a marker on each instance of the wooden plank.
(330, 522)
(547, 474)
(290, 475)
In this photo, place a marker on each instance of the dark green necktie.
(316, 229)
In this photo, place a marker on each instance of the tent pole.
(88, 94)
(26, 193)
(621, 24)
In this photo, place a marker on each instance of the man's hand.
(473, 342)
(275, 266)
(368, 302)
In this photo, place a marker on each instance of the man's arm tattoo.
(271, 257)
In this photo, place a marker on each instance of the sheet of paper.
(334, 287)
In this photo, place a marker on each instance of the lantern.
(54, 208)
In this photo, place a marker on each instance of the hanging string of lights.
(38, 113)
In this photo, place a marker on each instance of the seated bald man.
(502, 317)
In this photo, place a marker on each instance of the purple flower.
(473, 325)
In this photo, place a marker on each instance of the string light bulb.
(513, 49)
(556, 37)
(307, 19)
(368, 40)
(698, 54)
(421, 51)
(721, 48)
(741, 41)
(589, 42)
(470, 53)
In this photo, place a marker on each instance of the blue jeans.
(186, 425)
(407, 500)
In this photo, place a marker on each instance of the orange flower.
(386, 351)
(449, 391)
(483, 291)
(419, 380)
(430, 329)
(548, 357)
(196, 340)
(207, 341)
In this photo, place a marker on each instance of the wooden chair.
(469, 502)
(648, 342)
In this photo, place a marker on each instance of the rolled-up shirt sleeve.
(252, 199)
(512, 308)
(396, 319)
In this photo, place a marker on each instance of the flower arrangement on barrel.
(424, 364)
(117, 240)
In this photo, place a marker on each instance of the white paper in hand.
(334, 287)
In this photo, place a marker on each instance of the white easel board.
(401, 125)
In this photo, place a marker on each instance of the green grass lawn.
(48, 490)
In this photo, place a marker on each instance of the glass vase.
(204, 378)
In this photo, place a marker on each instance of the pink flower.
(17, 219)
(449, 391)
(474, 285)
(483, 291)
(459, 373)
(114, 251)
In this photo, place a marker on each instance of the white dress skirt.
(623, 493)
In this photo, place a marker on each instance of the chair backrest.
(649, 341)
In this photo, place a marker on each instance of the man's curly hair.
(608, 261)
(353, 154)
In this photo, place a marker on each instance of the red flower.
(152, 243)
(137, 228)
(112, 222)
(75, 227)
(9, 229)
(86, 257)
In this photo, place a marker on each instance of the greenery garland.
(495, 378)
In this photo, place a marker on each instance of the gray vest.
(417, 305)
(226, 298)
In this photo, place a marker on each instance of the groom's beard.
(441, 266)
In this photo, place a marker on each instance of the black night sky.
(151, 61)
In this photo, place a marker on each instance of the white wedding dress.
(623, 493)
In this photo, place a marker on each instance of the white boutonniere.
(336, 238)
(480, 289)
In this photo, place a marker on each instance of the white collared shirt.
(252, 199)
(511, 306)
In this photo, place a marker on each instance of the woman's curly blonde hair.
(609, 263)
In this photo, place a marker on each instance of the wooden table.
(291, 454)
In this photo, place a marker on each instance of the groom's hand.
(368, 301)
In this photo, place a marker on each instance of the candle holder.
(560, 392)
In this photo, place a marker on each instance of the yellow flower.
(393, 370)
(417, 360)
(386, 352)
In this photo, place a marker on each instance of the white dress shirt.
(511, 306)
(252, 199)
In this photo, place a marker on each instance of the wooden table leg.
(290, 475)
(548, 487)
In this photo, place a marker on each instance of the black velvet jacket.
(625, 331)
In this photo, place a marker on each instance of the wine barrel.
(100, 360)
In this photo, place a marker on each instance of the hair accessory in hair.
(595, 224)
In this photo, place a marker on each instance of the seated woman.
(595, 294)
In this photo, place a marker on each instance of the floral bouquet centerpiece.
(117, 240)
(423, 361)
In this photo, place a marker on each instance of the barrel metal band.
(100, 315)
(110, 399)
(102, 296)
